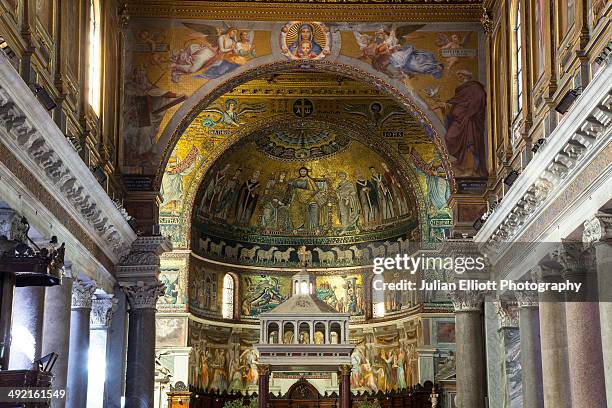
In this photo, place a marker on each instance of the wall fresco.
(173, 274)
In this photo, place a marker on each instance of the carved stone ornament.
(467, 300)
(597, 229)
(57, 162)
(526, 298)
(507, 312)
(82, 293)
(144, 295)
(576, 141)
(102, 309)
(573, 257)
(263, 369)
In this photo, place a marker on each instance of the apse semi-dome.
(302, 191)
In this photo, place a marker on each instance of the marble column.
(553, 342)
(78, 369)
(598, 234)
(469, 349)
(27, 327)
(345, 386)
(263, 385)
(585, 355)
(507, 312)
(102, 308)
(531, 354)
(116, 363)
(140, 378)
(56, 331)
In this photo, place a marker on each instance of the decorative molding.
(102, 309)
(467, 300)
(527, 298)
(142, 262)
(142, 295)
(573, 257)
(37, 142)
(583, 131)
(543, 273)
(597, 229)
(317, 10)
(507, 313)
(82, 293)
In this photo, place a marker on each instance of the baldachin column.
(263, 383)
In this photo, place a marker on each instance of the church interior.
(207, 204)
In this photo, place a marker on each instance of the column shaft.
(554, 355)
(531, 357)
(56, 333)
(27, 327)
(7, 289)
(140, 379)
(470, 364)
(603, 254)
(78, 351)
(78, 364)
(585, 355)
(116, 363)
(345, 384)
(263, 385)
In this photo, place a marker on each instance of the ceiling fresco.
(174, 64)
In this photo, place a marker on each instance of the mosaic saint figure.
(348, 203)
(368, 198)
(385, 198)
(247, 199)
(304, 209)
(229, 195)
(275, 211)
(213, 190)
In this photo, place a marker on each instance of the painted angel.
(201, 50)
(231, 115)
(406, 60)
(455, 42)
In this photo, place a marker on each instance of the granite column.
(531, 354)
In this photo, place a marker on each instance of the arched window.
(518, 60)
(228, 297)
(95, 57)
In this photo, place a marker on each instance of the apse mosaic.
(262, 293)
(169, 60)
(255, 207)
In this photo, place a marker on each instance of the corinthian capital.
(507, 312)
(573, 257)
(527, 298)
(143, 295)
(467, 300)
(82, 292)
(598, 229)
(102, 309)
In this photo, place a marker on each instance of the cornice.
(39, 144)
(317, 10)
(574, 143)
